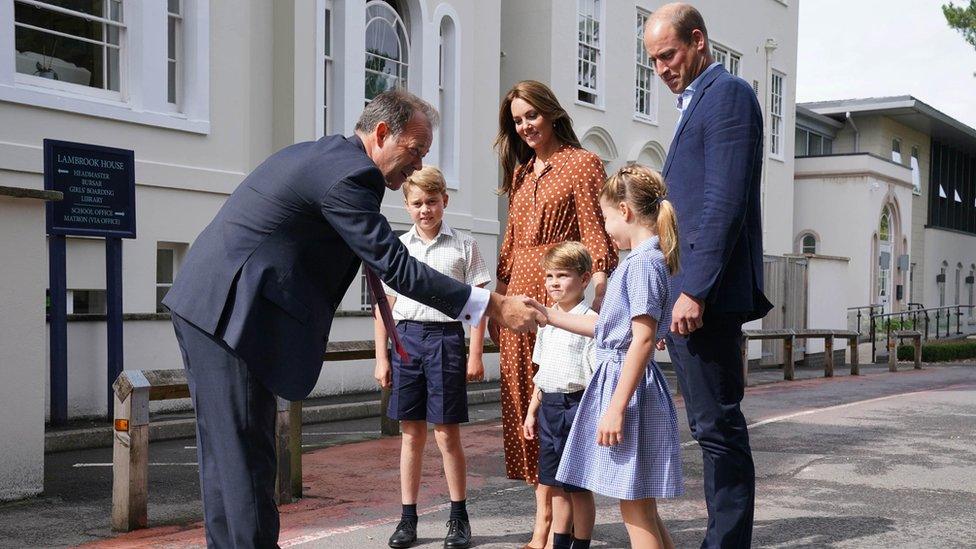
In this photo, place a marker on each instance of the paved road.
(882, 460)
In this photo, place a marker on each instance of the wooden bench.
(896, 337)
(134, 389)
(789, 338)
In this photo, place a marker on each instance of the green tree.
(963, 19)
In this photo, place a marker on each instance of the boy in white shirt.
(431, 386)
(566, 364)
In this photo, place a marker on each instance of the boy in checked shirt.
(566, 363)
(431, 386)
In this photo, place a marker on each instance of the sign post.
(99, 200)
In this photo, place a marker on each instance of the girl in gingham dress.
(624, 442)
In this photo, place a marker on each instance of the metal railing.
(860, 314)
(914, 317)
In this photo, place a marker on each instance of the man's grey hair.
(395, 107)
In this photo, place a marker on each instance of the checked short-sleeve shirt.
(453, 253)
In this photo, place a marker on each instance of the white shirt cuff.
(476, 306)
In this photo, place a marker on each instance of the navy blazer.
(268, 273)
(713, 175)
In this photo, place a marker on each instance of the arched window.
(387, 49)
(958, 284)
(884, 228)
(940, 282)
(447, 90)
(598, 140)
(809, 244)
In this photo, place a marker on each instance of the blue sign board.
(99, 190)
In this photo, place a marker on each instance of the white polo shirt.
(566, 360)
(452, 253)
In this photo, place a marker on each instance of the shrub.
(940, 352)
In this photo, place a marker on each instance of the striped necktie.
(380, 301)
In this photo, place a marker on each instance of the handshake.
(518, 313)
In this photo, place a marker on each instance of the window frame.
(777, 143)
(642, 63)
(142, 98)
(598, 49)
(405, 59)
(730, 59)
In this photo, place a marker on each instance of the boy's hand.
(661, 345)
(494, 330)
(528, 427)
(476, 368)
(383, 373)
(610, 430)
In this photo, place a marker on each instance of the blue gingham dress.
(647, 463)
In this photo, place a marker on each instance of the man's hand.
(686, 317)
(518, 313)
(383, 373)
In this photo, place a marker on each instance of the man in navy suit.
(254, 301)
(713, 176)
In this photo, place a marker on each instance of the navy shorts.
(432, 386)
(556, 415)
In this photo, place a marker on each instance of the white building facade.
(901, 177)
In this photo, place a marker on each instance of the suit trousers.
(235, 416)
(708, 364)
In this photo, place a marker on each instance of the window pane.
(81, 58)
(328, 32)
(164, 266)
(828, 145)
(800, 143)
(171, 82)
(160, 294)
(816, 144)
(171, 38)
(174, 6)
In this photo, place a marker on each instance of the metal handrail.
(914, 314)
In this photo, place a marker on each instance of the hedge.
(939, 352)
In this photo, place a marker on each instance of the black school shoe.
(458, 534)
(405, 534)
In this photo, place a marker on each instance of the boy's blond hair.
(428, 179)
(568, 256)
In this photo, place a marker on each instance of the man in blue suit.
(254, 301)
(713, 176)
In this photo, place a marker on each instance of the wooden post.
(892, 353)
(295, 440)
(917, 340)
(389, 427)
(283, 449)
(745, 360)
(855, 364)
(788, 371)
(130, 460)
(829, 356)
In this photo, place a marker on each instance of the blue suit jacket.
(268, 273)
(713, 173)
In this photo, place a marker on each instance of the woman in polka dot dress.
(553, 186)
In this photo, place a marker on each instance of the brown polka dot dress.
(561, 204)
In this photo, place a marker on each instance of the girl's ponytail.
(667, 230)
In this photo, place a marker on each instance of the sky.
(873, 48)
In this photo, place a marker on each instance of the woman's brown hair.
(512, 150)
(644, 190)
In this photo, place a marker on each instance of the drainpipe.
(857, 134)
(770, 46)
